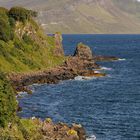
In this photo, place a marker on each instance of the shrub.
(27, 39)
(12, 22)
(5, 30)
(21, 14)
(8, 103)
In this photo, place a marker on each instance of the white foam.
(121, 59)
(79, 78)
(22, 93)
(36, 84)
(96, 71)
(87, 78)
(105, 68)
(91, 138)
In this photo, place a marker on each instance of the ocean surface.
(108, 107)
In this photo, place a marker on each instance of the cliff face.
(85, 16)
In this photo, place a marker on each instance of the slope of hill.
(85, 16)
(23, 44)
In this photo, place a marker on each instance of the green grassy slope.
(82, 16)
(23, 48)
(27, 49)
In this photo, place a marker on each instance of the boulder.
(83, 52)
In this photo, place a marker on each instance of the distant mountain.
(84, 16)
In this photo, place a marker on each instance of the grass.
(29, 49)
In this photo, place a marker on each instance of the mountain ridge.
(85, 16)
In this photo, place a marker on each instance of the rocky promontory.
(82, 63)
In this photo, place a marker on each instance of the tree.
(21, 14)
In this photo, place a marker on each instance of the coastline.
(82, 63)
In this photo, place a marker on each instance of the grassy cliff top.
(23, 44)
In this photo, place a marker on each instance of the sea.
(107, 107)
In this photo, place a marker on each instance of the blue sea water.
(107, 107)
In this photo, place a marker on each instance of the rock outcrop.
(62, 131)
(58, 51)
(82, 59)
(83, 52)
(83, 63)
(105, 58)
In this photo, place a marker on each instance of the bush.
(8, 103)
(27, 39)
(6, 32)
(12, 22)
(21, 14)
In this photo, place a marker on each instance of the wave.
(105, 68)
(91, 138)
(81, 78)
(121, 59)
(21, 94)
(36, 84)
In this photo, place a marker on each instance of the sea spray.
(91, 138)
(105, 68)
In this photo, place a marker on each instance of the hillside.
(85, 16)
(23, 44)
(24, 48)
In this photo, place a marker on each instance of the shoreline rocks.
(83, 63)
(105, 58)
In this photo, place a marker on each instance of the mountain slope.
(85, 16)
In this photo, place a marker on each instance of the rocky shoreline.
(82, 63)
(59, 131)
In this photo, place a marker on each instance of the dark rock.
(19, 109)
(83, 52)
(61, 131)
(105, 58)
(80, 131)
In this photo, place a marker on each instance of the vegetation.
(23, 47)
(22, 129)
(8, 103)
(21, 14)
